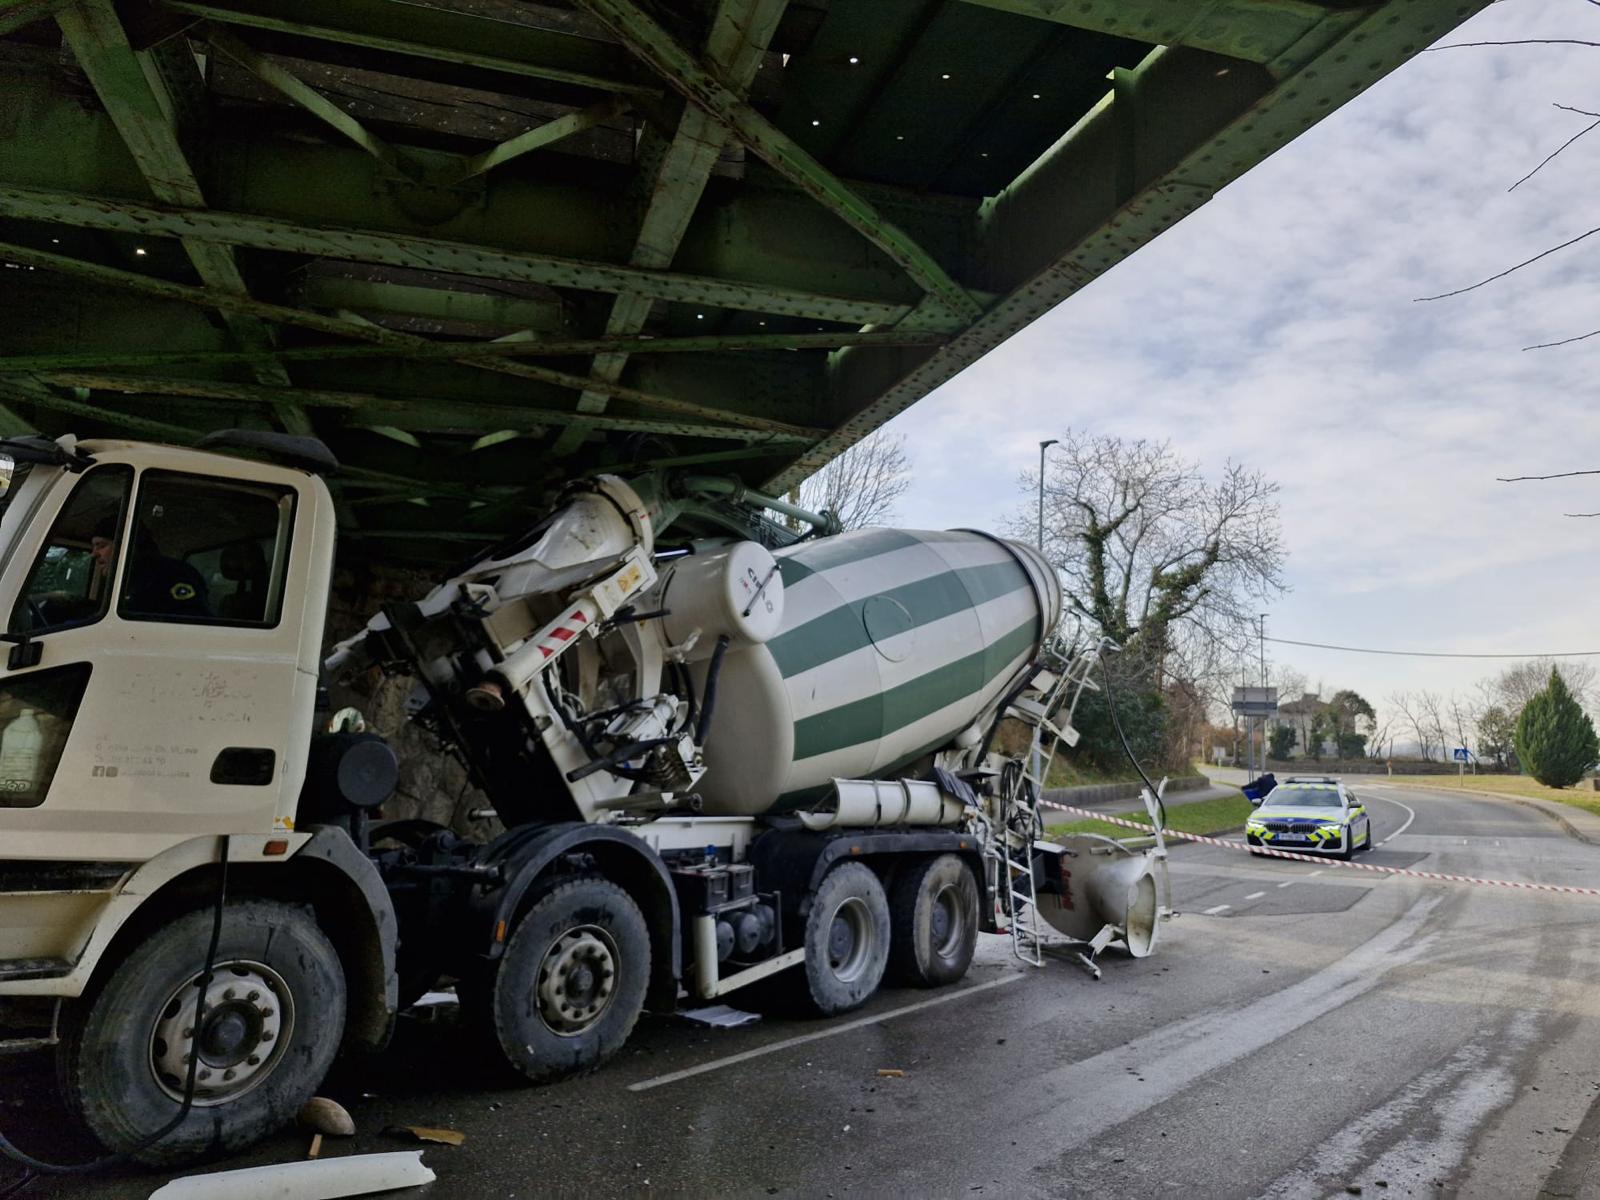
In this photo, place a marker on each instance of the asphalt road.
(1302, 1030)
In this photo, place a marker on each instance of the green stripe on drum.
(842, 630)
(798, 801)
(876, 717)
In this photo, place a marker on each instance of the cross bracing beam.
(509, 47)
(1116, 182)
(675, 175)
(653, 44)
(441, 254)
(14, 14)
(460, 351)
(768, 238)
(391, 344)
(145, 101)
(434, 413)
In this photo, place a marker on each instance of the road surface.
(1302, 1030)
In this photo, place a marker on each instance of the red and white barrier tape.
(1319, 859)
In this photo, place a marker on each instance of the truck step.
(33, 968)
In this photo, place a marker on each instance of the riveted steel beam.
(437, 254)
(1064, 222)
(462, 351)
(306, 96)
(400, 411)
(1257, 31)
(447, 305)
(651, 43)
(534, 139)
(675, 174)
(14, 14)
(144, 101)
(421, 31)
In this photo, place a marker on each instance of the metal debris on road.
(310, 1179)
(720, 1016)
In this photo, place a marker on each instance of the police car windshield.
(1301, 796)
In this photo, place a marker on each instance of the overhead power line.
(1430, 653)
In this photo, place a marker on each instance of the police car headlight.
(8, 467)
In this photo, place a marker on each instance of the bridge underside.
(482, 246)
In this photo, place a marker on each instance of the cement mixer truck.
(729, 751)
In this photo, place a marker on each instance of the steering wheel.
(36, 614)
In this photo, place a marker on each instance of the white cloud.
(1278, 326)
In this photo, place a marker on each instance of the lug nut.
(227, 1075)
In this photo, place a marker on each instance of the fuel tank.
(892, 644)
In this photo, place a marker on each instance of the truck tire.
(572, 981)
(933, 913)
(847, 939)
(275, 1012)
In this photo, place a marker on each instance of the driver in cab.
(155, 585)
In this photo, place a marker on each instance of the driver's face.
(103, 549)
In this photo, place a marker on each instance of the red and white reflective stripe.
(1320, 860)
(562, 632)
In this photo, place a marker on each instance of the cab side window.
(207, 551)
(70, 582)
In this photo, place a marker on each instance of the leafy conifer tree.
(1555, 738)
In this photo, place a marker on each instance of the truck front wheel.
(847, 939)
(572, 981)
(274, 1014)
(934, 913)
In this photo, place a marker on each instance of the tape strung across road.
(1318, 859)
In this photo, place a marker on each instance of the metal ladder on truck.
(1021, 795)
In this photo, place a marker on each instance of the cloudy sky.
(1278, 326)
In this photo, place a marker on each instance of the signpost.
(1462, 756)
(1255, 704)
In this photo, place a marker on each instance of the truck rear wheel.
(847, 939)
(933, 911)
(274, 1015)
(572, 981)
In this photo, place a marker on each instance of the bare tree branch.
(1553, 153)
(1582, 337)
(1527, 478)
(860, 487)
(1516, 42)
(1509, 270)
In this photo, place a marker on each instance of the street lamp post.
(1043, 446)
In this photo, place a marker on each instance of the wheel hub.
(849, 939)
(947, 924)
(577, 980)
(249, 1016)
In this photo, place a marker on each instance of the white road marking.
(1214, 910)
(1289, 883)
(718, 1063)
(1255, 895)
(1410, 817)
(1313, 874)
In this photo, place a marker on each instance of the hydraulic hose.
(709, 701)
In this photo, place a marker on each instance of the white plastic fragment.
(309, 1179)
(719, 1016)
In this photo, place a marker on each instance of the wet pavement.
(1301, 1030)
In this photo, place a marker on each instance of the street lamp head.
(1051, 442)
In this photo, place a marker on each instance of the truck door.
(168, 699)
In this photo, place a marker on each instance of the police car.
(1312, 814)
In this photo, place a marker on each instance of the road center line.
(717, 1064)
(1313, 874)
(1287, 883)
(1215, 909)
(1255, 895)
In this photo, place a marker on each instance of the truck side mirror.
(25, 652)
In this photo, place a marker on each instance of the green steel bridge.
(482, 246)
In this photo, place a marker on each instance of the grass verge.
(1505, 785)
(1198, 816)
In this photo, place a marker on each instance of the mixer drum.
(892, 643)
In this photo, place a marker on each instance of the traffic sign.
(1461, 754)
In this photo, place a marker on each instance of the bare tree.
(1411, 713)
(1152, 553)
(1517, 684)
(1432, 707)
(861, 486)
